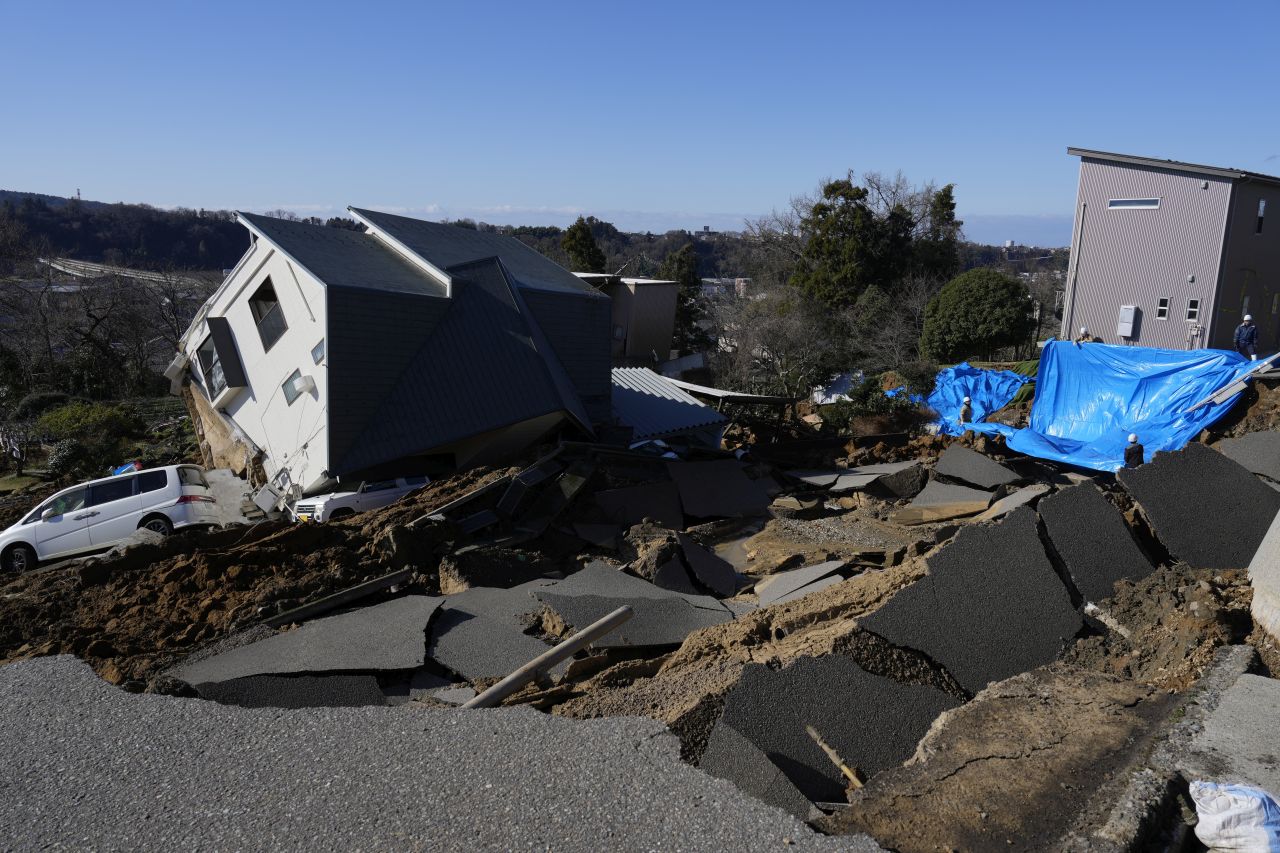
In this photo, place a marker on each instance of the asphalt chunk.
(1209, 511)
(970, 466)
(990, 607)
(1093, 541)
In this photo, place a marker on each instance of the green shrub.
(976, 314)
(89, 422)
(37, 403)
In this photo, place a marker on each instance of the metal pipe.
(550, 658)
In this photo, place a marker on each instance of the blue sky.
(652, 116)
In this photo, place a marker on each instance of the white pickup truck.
(369, 495)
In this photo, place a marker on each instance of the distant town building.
(718, 288)
(1172, 254)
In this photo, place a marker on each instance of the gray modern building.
(1170, 254)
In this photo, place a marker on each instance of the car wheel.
(342, 513)
(19, 558)
(158, 524)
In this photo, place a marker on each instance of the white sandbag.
(1236, 817)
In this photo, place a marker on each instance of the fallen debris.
(1258, 452)
(961, 463)
(1007, 504)
(941, 502)
(784, 585)
(718, 489)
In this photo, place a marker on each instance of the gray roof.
(1173, 165)
(404, 380)
(342, 258)
(449, 245)
(655, 408)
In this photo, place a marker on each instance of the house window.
(1162, 308)
(215, 381)
(1134, 203)
(1244, 307)
(1262, 211)
(1193, 309)
(317, 352)
(267, 314)
(290, 386)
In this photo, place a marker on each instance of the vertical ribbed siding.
(1135, 256)
(1251, 267)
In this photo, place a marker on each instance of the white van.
(368, 495)
(96, 515)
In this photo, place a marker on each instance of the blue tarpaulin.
(1090, 397)
(988, 391)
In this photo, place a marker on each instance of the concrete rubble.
(991, 646)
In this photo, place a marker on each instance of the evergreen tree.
(682, 266)
(580, 245)
(937, 250)
(977, 313)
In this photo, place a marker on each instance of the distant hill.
(51, 200)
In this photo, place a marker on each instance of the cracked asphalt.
(85, 765)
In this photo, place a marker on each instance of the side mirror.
(48, 514)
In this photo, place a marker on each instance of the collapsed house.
(407, 348)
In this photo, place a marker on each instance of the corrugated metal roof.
(655, 408)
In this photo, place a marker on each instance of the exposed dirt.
(685, 689)
(1012, 769)
(787, 543)
(130, 615)
(1174, 618)
(1257, 410)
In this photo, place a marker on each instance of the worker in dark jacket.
(1247, 338)
(1134, 452)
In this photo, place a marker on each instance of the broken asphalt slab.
(718, 489)
(633, 504)
(871, 722)
(601, 579)
(1010, 502)
(283, 780)
(476, 647)
(1208, 510)
(387, 636)
(942, 501)
(990, 607)
(1259, 452)
(969, 466)
(656, 621)
(1091, 538)
(296, 691)
(731, 756)
(782, 584)
(712, 572)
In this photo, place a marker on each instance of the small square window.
(265, 308)
(1244, 307)
(290, 386)
(1162, 308)
(1193, 309)
(317, 352)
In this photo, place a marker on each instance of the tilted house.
(409, 348)
(1170, 254)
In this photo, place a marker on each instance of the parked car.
(96, 515)
(369, 495)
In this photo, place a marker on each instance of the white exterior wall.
(293, 437)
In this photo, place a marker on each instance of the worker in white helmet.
(1133, 453)
(1247, 338)
(966, 412)
(1084, 337)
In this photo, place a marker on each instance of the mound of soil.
(1168, 625)
(130, 615)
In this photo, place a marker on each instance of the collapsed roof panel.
(655, 408)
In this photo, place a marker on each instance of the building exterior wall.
(1250, 268)
(261, 409)
(1128, 256)
(577, 326)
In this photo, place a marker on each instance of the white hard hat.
(966, 399)
(1248, 316)
(1133, 438)
(1084, 330)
